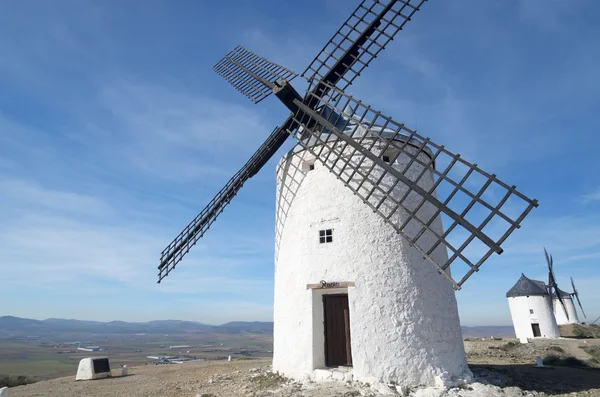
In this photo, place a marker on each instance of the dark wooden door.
(337, 330)
(536, 330)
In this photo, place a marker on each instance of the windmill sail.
(251, 74)
(358, 145)
(359, 40)
(576, 295)
(471, 237)
(181, 245)
(552, 282)
(257, 77)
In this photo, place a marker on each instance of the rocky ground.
(510, 351)
(501, 368)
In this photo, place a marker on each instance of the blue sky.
(115, 132)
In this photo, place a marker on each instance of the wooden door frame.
(533, 329)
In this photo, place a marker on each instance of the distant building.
(90, 348)
(531, 310)
(179, 347)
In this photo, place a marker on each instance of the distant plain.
(44, 349)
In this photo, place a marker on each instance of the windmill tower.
(370, 217)
(349, 290)
(531, 310)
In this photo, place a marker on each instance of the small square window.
(325, 236)
(308, 165)
(530, 311)
(386, 159)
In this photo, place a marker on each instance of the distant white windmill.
(531, 310)
(538, 309)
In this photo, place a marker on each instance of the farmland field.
(52, 356)
(47, 349)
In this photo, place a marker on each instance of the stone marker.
(93, 368)
(124, 370)
(539, 362)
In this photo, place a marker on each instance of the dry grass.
(565, 362)
(580, 331)
(593, 351)
(269, 380)
(586, 331)
(505, 347)
(15, 380)
(556, 349)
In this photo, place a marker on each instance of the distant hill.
(485, 331)
(254, 326)
(28, 327)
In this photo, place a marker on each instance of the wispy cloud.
(118, 184)
(74, 255)
(559, 234)
(549, 14)
(22, 192)
(169, 133)
(590, 197)
(579, 257)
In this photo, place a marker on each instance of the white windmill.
(531, 310)
(538, 309)
(370, 216)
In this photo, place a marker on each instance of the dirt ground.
(500, 367)
(508, 363)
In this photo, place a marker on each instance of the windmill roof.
(526, 286)
(355, 129)
(562, 293)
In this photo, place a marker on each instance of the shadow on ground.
(550, 380)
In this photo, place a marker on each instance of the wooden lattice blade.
(581, 307)
(367, 31)
(251, 74)
(182, 244)
(576, 295)
(414, 184)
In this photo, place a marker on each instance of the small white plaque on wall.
(330, 284)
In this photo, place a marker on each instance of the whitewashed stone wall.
(559, 312)
(522, 318)
(403, 314)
